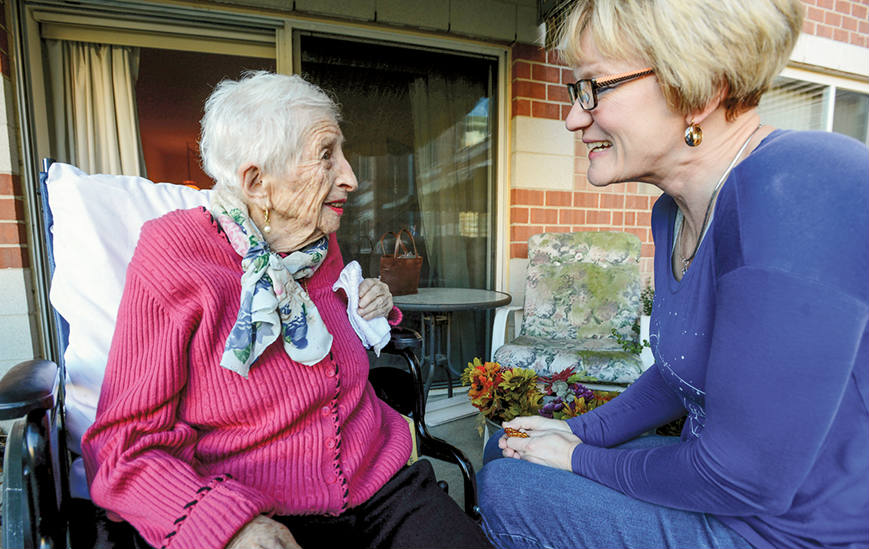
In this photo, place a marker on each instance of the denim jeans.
(528, 505)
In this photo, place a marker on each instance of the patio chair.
(578, 288)
(38, 504)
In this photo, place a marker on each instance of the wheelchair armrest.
(28, 386)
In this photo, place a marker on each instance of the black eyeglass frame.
(585, 90)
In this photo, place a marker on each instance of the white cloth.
(374, 333)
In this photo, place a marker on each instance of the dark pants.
(411, 511)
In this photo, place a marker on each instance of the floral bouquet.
(504, 393)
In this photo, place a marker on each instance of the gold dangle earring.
(693, 135)
(266, 228)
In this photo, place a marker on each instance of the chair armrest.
(28, 386)
(499, 327)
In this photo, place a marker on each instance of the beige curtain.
(93, 96)
(445, 184)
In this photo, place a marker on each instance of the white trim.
(832, 55)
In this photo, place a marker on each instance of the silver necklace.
(687, 261)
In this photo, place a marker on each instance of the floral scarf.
(272, 302)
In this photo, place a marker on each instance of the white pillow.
(97, 219)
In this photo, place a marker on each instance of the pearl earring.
(266, 228)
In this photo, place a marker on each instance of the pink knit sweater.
(187, 451)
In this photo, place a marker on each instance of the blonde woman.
(759, 324)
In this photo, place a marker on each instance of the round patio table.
(438, 304)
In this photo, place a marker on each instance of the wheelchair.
(37, 507)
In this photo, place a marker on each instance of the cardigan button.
(325, 410)
(330, 443)
(331, 372)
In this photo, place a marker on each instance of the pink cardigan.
(187, 451)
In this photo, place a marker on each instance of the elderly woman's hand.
(375, 299)
(263, 533)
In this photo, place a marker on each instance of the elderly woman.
(759, 324)
(236, 409)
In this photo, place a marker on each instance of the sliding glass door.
(419, 126)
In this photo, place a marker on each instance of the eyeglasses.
(585, 91)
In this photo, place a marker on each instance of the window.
(800, 105)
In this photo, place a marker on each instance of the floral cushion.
(582, 285)
(578, 289)
(595, 360)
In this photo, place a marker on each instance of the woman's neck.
(698, 170)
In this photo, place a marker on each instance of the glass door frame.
(289, 62)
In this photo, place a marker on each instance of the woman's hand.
(550, 442)
(263, 533)
(375, 299)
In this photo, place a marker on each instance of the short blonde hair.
(694, 46)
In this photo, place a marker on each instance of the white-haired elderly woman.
(236, 409)
(759, 322)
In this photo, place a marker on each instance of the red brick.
(521, 233)
(826, 4)
(636, 202)
(586, 200)
(612, 201)
(644, 219)
(860, 12)
(565, 110)
(824, 31)
(518, 250)
(13, 258)
(572, 217)
(567, 76)
(540, 109)
(843, 7)
(849, 23)
(526, 88)
(841, 35)
(11, 209)
(598, 217)
(522, 69)
(618, 219)
(630, 218)
(557, 229)
(833, 19)
(526, 197)
(648, 250)
(557, 92)
(559, 198)
(553, 57)
(544, 215)
(521, 107)
(858, 40)
(545, 73)
(864, 27)
(529, 52)
(518, 215)
(814, 14)
(808, 27)
(13, 233)
(10, 184)
(639, 233)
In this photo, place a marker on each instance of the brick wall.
(538, 92)
(13, 236)
(842, 20)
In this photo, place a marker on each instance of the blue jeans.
(528, 505)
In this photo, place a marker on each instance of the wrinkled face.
(632, 134)
(308, 204)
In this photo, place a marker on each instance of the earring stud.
(693, 135)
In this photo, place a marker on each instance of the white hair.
(262, 119)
